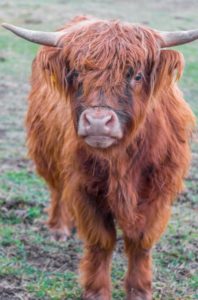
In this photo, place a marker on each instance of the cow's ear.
(169, 69)
(52, 67)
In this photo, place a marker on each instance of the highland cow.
(109, 130)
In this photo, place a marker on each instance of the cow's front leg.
(95, 267)
(95, 225)
(100, 237)
(139, 276)
(96, 263)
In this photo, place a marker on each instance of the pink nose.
(99, 122)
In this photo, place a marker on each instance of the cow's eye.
(129, 73)
(75, 74)
(79, 90)
(138, 77)
(71, 76)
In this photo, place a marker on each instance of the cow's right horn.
(38, 37)
(176, 38)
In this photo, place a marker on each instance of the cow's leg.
(96, 262)
(139, 276)
(96, 273)
(59, 221)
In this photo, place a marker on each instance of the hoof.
(60, 234)
(137, 295)
(89, 295)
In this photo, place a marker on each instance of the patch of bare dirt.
(2, 133)
(12, 293)
(33, 21)
(56, 261)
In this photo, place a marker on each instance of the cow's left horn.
(176, 38)
(38, 37)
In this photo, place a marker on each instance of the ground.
(32, 265)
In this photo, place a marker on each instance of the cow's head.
(110, 71)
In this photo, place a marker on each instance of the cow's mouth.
(100, 141)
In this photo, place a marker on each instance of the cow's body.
(132, 183)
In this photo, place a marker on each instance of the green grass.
(15, 55)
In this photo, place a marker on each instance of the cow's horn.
(38, 37)
(176, 38)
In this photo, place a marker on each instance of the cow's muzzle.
(100, 127)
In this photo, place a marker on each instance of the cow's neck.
(112, 180)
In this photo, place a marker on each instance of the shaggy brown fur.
(133, 183)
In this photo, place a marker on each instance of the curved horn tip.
(38, 37)
(176, 38)
(5, 25)
(8, 26)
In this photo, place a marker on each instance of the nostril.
(109, 121)
(86, 120)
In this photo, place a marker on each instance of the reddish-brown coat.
(133, 183)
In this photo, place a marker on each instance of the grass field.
(32, 266)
